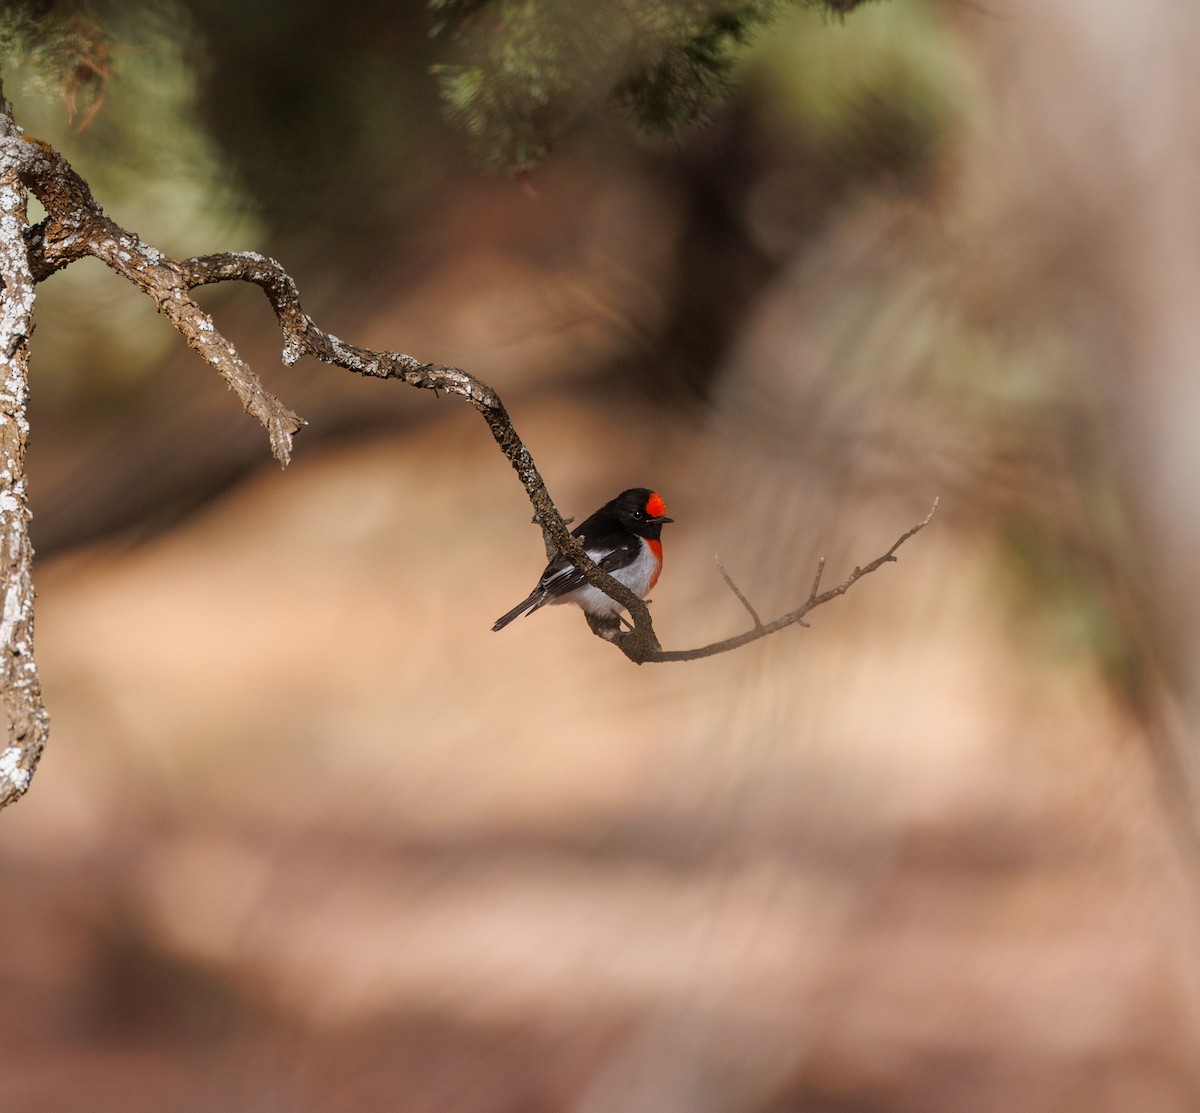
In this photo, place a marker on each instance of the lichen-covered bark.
(20, 689)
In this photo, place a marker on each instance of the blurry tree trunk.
(1092, 158)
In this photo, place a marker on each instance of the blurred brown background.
(309, 837)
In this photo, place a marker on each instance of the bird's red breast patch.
(655, 506)
(656, 548)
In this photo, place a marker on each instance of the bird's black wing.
(609, 551)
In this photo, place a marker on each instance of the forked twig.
(796, 617)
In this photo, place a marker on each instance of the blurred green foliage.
(289, 128)
(530, 72)
(130, 126)
(63, 43)
(329, 116)
(894, 63)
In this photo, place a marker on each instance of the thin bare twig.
(796, 617)
(821, 564)
(738, 592)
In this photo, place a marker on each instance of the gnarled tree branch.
(76, 226)
(302, 336)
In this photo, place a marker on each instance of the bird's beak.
(663, 520)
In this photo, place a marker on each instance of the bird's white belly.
(636, 576)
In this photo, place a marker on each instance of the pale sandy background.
(309, 837)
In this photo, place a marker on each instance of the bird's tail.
(526, 606)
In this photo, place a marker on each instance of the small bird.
(623, 539)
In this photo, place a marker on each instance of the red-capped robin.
(623, 538)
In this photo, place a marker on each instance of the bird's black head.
(642, 511)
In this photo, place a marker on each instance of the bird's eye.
(637, 513)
